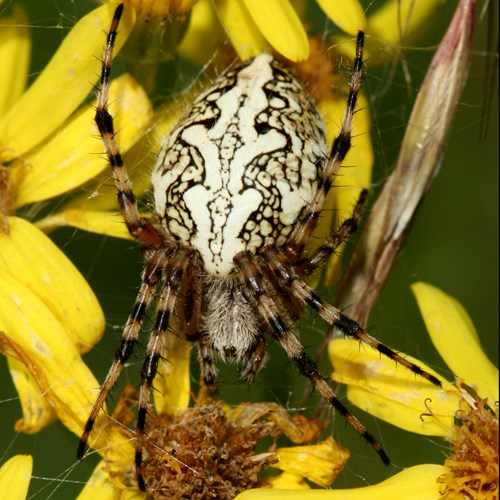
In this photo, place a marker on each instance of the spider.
(238, 189)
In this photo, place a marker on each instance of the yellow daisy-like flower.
(393, 394)
(47, 148)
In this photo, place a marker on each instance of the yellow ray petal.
(107, 223)
(172, 385)
(31, 257)
(139, 161)
(73, 156)
(15, 47)
(281, 27)
(63, 84)
(414, 483)
(354, 175)
(30, 333)
(454, 336)
(15, 475)
(400, 18)
(37, 413)
(391, 392)
(244, 34)
(348, 15)
(204, 35)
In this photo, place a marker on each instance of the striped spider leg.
(238, 188)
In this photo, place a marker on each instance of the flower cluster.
(49, 316)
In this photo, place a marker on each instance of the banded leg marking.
(172, 276)
(284, 271)
(308, 265)
(254, 279)
(150, 278)
(140, 228)
(299, 237)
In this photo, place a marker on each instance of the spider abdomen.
(241, 165)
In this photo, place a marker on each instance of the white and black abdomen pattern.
(241, 165)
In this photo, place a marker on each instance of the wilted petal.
(348, 15)
(37, 412)
(281, 27)
(390, 392)
(73, 156)
(34, 261)
(320, 463)
(285, 481)
(103, 487)
(63, 84)
(454, 336)
(15, 476)
(15, 48)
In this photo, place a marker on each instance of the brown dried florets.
(474, 463)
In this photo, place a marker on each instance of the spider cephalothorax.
(239, 186)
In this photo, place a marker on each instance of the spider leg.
(207, 365)
(287, 277)
(304, 267)
(172, 276)
(256, 357)
(139, 227)
(255, 281)
(192, 301)
(155, 264)
(340, 147)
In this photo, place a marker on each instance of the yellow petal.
(391, 392)
(31, 257)
(454, 336)
(107, 223)
(73, 156)
(63, 84)
(354, 175)
(15, 47)
(244, 34)
(15, 475)
(139, 161)
(30, 333)
(172, 385)
(37, 413)
(414, 483)
(348, 15)
(400, 18)
(204, 35)
(281, 27)
(320, 463)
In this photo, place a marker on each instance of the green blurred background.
(453, 245)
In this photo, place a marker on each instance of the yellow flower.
(15, 475)
(49, 315)
(47, 148)
(391, 393)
